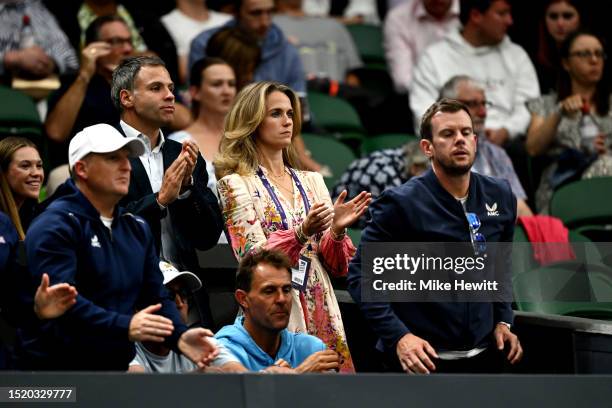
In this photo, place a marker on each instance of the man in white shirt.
(409, 29)
(168, 187)
(185, 22)
(482, 50)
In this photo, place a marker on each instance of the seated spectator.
(573, 124)
(259, 339)
(85, 100)
(326, 48)
(185, 22)
(145, 28)
(22, 168)
(83, 238)
(561, 18)
(347, 12)
(380, 170)
(239, 49)
(280, 60)
(481, 50)
(45, 52)
(268, 203)
(409, 29)
(152, 357)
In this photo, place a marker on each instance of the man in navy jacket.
(442, 336)
(83, 238)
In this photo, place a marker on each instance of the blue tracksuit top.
(421, 210)
(115, 274)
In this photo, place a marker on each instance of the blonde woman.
(267, 202)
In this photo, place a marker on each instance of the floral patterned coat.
(253, 221)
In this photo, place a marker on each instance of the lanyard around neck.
(275, 199)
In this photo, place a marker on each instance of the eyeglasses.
(118, 41)
(479, 242)
(588, 54)
(568, 15)
(473, 104)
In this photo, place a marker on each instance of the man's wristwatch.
(508, 325)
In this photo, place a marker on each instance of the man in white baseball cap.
(154, 357)
(85, 239)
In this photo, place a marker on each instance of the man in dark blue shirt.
(434, 207)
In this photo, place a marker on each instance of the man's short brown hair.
(277, 259)
(445, 105)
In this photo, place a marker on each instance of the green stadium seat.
(585, 206)
(330, 152)
(568, 289)
(385, 141)
(369, 41)
(18, 114)
(336, 116)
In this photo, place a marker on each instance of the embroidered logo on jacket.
(492, 210)
(95, 242)
(2, 240)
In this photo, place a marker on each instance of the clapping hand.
(53, 301)
(346, 213)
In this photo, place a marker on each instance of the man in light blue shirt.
(259, 339)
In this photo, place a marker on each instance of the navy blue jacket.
(421, 210)
(114, 273)
(8, 260)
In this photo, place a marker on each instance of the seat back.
(330, 152)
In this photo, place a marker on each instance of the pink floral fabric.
(253, 222)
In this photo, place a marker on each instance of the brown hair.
(445, 105)
(275, 258)
(8, 147)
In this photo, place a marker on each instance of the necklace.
(284, 173)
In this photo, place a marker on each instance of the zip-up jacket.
(421, 210)
(116, 272)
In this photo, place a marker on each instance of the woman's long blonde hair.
(237, 151)
(8, 147)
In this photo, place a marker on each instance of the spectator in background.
(84, 238)
(239, 49)
(85, 100)
(213, 89)
(380, 170)
(154, 357)
(348, 12)
(267, 203)
(146, 30)
(280, 60)
(169, 180)
(560, 120)
(482, 50)
(409, 29)
(561, 18)
(22, 168)
(260, 339)
(47, 52)
(326, 48)
(185, 22)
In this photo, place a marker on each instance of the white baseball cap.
(191, 281)
(101, 138)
